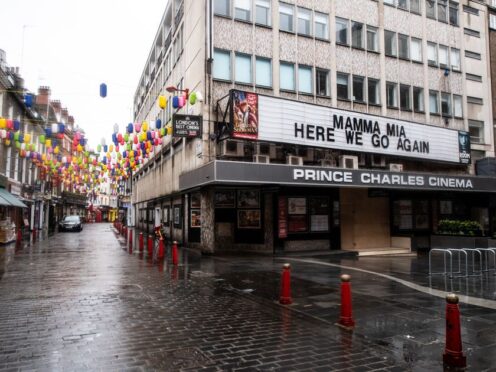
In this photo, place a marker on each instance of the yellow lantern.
(56, 150)
(144, 126)
(3, 123)
(48, 142)
(169, 130)
(162, 102)
(79, 148)
(27, 138)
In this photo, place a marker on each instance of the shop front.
(275, 207)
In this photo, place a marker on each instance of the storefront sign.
(241, 173)
(283, 218)
(189, 126)
(274, 119)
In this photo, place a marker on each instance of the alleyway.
(81, 301)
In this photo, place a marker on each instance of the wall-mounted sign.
(273, 119)
(188, 126)
(283, 217)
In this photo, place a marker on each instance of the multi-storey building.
(327, 124)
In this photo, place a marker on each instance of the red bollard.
(19, 235)
(285, 297)
(453, 352)
(130, 239)
(150, 245)
(34, 235)
(160, 254)
(346, 320)
(141, 246)
(174, 253)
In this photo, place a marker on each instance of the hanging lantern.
(55, 128)
(158, 123)
(182, 101)
(27, 138)
(3, 123)
(137, 127)
(199, 97)
(192, 98)
(144, 126)
(10, 124)
(61, 128)
(162, 102)
(17, 125)
(175, 102)
(130, 128)
(103, 90)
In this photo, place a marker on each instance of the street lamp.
(173, 89)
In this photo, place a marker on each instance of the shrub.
(457, 227)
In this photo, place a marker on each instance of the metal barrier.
(486, 261)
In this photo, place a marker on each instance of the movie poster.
(245, 115)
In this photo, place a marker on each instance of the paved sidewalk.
(80, 301)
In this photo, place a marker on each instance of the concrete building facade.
(349, 125)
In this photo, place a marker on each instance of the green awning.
(7, 199)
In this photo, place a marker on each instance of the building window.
(242, 10)
(262, 12)
(403, 4)
(457, 106)
(222, 7)
(357, 35)
(222, 65)
(455, 59)
(287, 76)
(305, 80)
(443, 56)
(263, 72)
(342, 82)
(453, 13)
(392, 95)
(434, 102)
(446, 104)
(342, 31)
(442, 13)
(304, 22)
(321, 26)
(286, 14)
(415, 6)
(358, 89)
(321, 81)
(390, 43)
(243, 69)
(405, 98)
(492, 21)
(372, 39)
(418, 99)
(431, 9)
(416, 50)
(389, 2)
(373, 91)
(432, 54)
(403, 46)
(476, 130)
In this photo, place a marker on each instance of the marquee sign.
(273, 119)
(244, 173)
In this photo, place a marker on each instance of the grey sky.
(73, 46)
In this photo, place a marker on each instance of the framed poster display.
(297, 224)
(177, 215)
(445, 207)
(165, 215)
(195, 200)
(249, 219)
(224, 199)
(248, 199)
(297, 205)
(195, 218)
(319, 223)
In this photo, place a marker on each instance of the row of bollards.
(453, 356)
(158, 255)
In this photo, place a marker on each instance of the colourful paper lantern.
(103, 90)
(162, 102)
(175, 102)
(192, 98)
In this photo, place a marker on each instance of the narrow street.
(83, 301)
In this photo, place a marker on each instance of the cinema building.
(355, 125)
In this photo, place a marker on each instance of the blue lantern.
(48, 132)
(61, 128)
(28, 100)
(17, 125)
(105, 148)
(124, 154)
(149, 136)
(82, 142)
(142, 146)
(175, 102)
(130, 128)
(103, 90)
(21, 138)
(158, 123)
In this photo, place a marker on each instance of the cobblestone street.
(80, 302)
(83, 301)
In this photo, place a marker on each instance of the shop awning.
(9, 200)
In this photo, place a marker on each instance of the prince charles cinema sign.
(271, 119)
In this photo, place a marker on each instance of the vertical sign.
(283, 217)
(244, 115)
(464, 147)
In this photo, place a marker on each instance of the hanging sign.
(189, 126)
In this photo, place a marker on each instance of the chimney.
(65, 114)
(70, 120)
(57, 106)
(43, 96)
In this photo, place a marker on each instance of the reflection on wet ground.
(80, 301)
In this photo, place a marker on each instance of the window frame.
(377, 85)
(361, 33)
(394, 45)
(347, 76)
(258, 58)
(375, 31)
(421, 106)
(346, 22)
(225, 52)
(269, 13)
(306, 68)
(457, 98)
(229, 10)
(401, 39)
(292, 65)
(310, 21)
(480, 140)
(358, 78)
(408, 107)
(283, 5)
(395, 104)
(438, 111)
(250, 11)
(416, 41)
(317, 82)
(315, 22)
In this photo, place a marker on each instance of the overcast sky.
(75, 45)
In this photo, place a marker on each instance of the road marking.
(490, 304)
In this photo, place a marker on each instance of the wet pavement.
(83, 301)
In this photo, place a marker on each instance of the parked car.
(71, 223)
